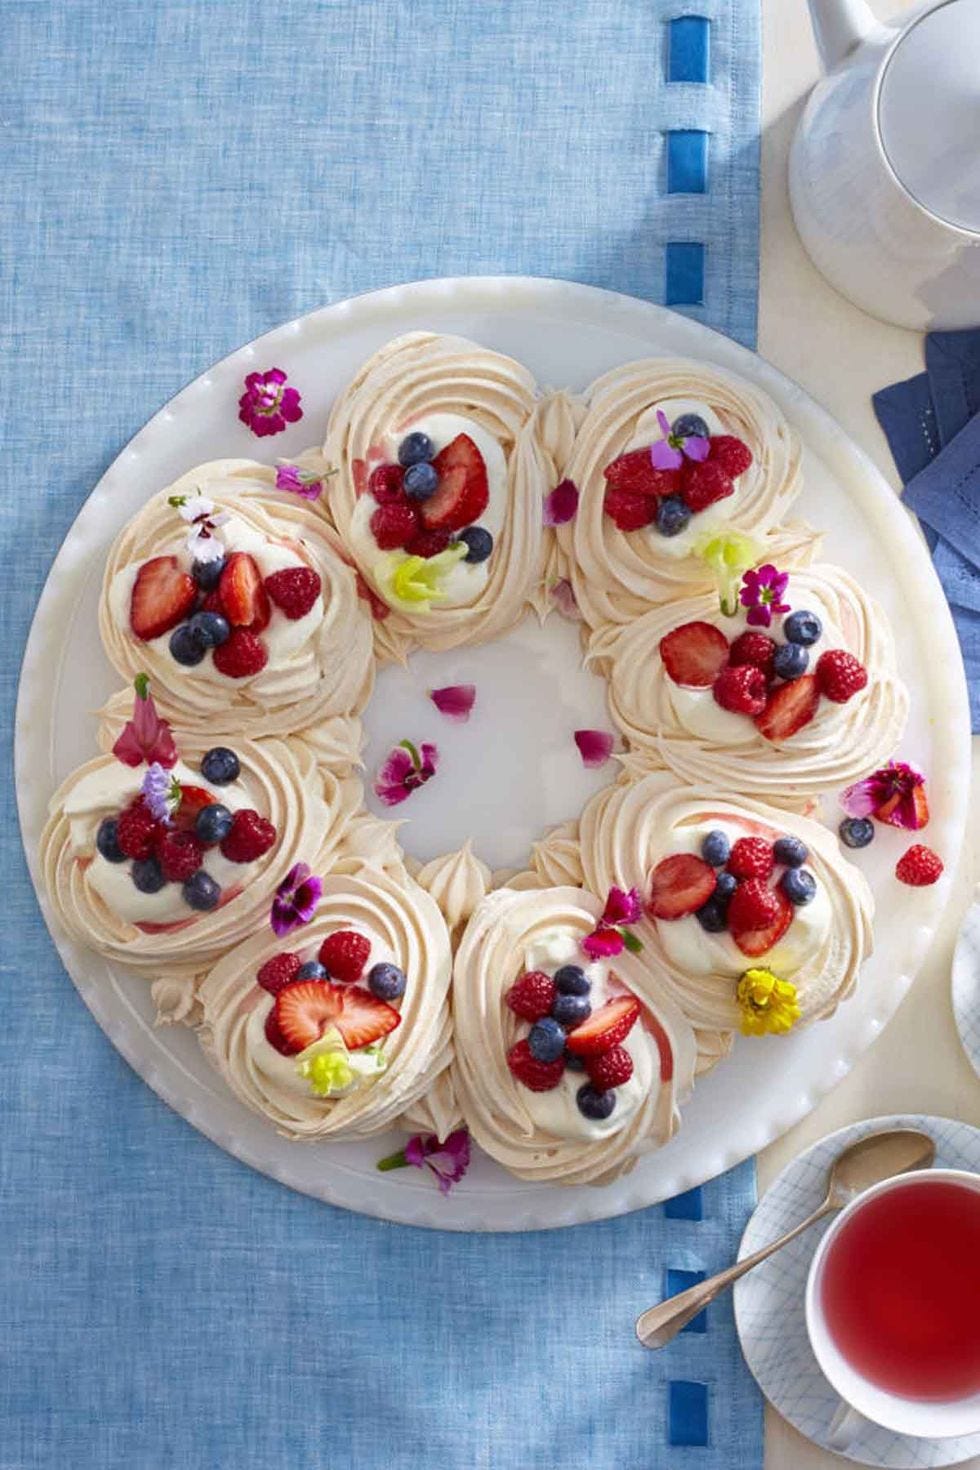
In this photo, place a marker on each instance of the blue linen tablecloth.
(178, 177)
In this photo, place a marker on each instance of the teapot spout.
(840, 26)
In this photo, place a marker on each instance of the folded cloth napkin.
(932, 424)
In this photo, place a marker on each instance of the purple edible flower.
(447, 1161)
(405, 770)
(267, 406)
(296, 899)
(304, 483)
(670, 452)
(762, 593)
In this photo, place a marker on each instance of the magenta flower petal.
(298, 482)
(404, 770)
(622, 907)
(759, 617)
(595, 746)
(560, 506)
(455, 701)
(563, 596)
(603, 943)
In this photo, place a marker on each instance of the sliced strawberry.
(193, 799)
(605, 1028)
(635, 471)
(162, 595)
(789, 707)
(243, 596)
(303, 1011)
(364, 1017)
(463, 492)
(694, 654)
(679, 885)
(758, 916)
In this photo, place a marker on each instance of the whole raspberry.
(278, 971)
(294, 590)
(242, 655)
(751, 857)
(385, 484)
(250, 837)
(741, 689)
(345, 954)
(919, 867)
(733, 456)
(753, 648)
(610, 1069)
(532, 996)
(427, 543)
(635, 471)
(704, 482)
(136, 830)
(628, 509)
(178, 853)
(393, 524)
(538, 1076)
(840, 675)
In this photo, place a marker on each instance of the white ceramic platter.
(514, 771)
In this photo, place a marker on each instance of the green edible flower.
(728, 555)
(416, 580)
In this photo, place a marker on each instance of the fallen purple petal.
(561, 504)
(455, 701)
(595, 746)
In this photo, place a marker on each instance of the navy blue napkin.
(932, 424)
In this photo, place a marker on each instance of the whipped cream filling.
(284, 637)
(694, 951)
(697, 710)
(464, 583)
(103, 793)
(556, 1112)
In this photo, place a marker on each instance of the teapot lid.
(929, 112)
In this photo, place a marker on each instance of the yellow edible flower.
(325, 1065)
(728, 555)
(768, 1004)
(416, 580)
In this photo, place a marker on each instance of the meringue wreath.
(562, 1013)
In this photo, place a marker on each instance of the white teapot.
(885, 167)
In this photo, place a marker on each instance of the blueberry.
(546, 1040)
(185, 646)
(716, 849)
(713, 915)
(207, 574)
(790, 851)
(220, 765)
(790, 660)
(573, 1062)
(107, 842)
(572, 980)
(387, 982)
(799, 885)
(313, 970)
(571, 1010)
(672, 515)
(201, 891)
(210, 628)
(415, 449)
(595, 1104)
(690, 426)
(479, 541)
(725, 886)
(802, 627)
(148, 875)
(421, 480)
(856, 831)
(213, 823)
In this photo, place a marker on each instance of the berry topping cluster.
(173, 849)
(428, 502)
(760, 677)
(733, 886)
(640, 493)
(331, 990)
(220, 606)
(566, 1033)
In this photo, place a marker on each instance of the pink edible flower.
(622, 907)
(670, 452)
(595, 746)
(455, 701)
(267, 406)
(145, 737)
(895, 794)
(296, 899)
(303, 483)
(603, 943)
(405, 770)
(762, 593)
(560, 506)
(611, 935)
(447, 1161)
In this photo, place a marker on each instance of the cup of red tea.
(893, 1306)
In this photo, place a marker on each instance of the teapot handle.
(840, 26)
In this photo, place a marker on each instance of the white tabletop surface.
(841, 356)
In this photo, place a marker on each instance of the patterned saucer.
(769, 1309)
(966, 985)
